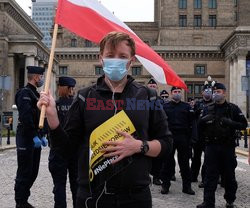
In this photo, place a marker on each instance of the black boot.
(173, 178)
(157, 181)
(164, 189)
(189, 191)
(24, 205)
(201, 185)
(204, 205)
(230, 205)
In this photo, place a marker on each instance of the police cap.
(163, 92)
(67, 81)
(35, 70)
(175, 88)
(152, 81)
(206, 86)
(219, 86)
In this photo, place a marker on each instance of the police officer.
(156, 162)
(58, 166)
(164, 96)
(219, 123)
(199, 146)
(152, 84)
(28, 138)
(180, 118)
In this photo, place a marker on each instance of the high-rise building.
(43, 12)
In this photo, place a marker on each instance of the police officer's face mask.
(40, 82)
(114, 68)
(207, 94)
(218, 97)
(176, 97)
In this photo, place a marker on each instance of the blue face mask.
(40, 83)
(115, 68)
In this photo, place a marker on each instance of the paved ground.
(42, 196)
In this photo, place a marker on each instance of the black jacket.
(26, 100)
(219, 122)
(82, 119)
(180, 117)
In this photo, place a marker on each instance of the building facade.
(43, 13)
(196, 38)
(20, 46)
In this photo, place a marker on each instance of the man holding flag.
(127, 185)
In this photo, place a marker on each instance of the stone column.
(11, 72)
(241, 71)
(29, 61)
(231, 83)
(233, 78)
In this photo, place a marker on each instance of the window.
(212, 21)
(197, 20)
(63, 70)
(99, 70)
(197, 4)
(183, 20)
(73, 42)
(88, 43)
(235, 3)
(136, 70)
(182, 4)
(197, 89)
(212, 4)
(200, 70)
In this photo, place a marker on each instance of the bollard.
(245, 139)
(8, 136)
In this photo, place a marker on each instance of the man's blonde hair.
(114, 38)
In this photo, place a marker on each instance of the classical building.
(197, 38)
(20, 46)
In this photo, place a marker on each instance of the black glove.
(206, 118)
(226, 121)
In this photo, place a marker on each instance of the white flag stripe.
(100, 9)
(153, 69)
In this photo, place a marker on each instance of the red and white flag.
(91, 20)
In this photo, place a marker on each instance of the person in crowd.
(60, 167)
(219, 122)
(29, 138)
(133, 155)
(164, 96)
(152, 84)
(180, 118)
(156, 162)
(199, 146)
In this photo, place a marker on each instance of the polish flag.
(91, 20)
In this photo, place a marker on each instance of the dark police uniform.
(59, 167)
(131, 185)
(199, 146)
(28, 157)
(180, 119)
(219, 123)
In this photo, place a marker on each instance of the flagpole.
(48, 75)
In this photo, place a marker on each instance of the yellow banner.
(107, 132)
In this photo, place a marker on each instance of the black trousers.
(59, 169)
(198, 148)
(220, 157)
(181, 144)
(28, 160)
(156, 167)
(122, 199)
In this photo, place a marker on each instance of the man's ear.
(101, 59)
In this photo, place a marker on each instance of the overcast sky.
(125, 10)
